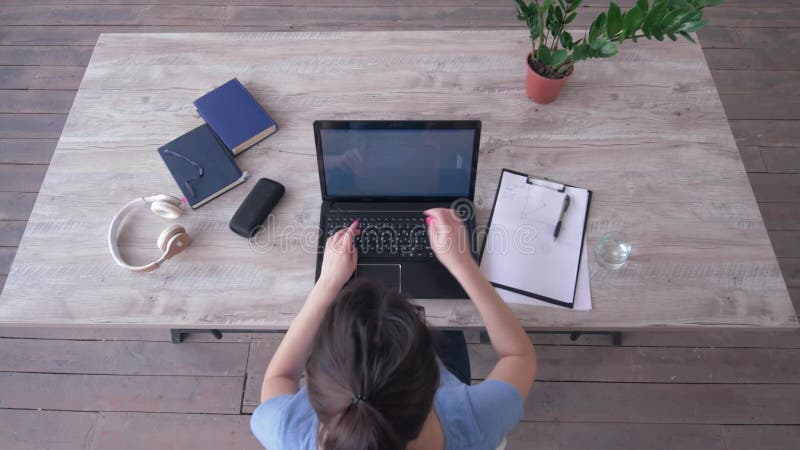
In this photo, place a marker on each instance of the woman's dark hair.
(372, 373)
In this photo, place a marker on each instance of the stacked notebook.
(201, 161)
(520, 255)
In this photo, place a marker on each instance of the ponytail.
(372, 372)
(359, 426)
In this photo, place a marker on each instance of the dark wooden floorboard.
(27, 151)
(137, 431)
(71, 392)
(123, 357)
(700, 390)
(761, 437)
(52, 430)
(16, 205)
(603, 436)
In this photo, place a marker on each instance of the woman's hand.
(449, 241)
(340, 258)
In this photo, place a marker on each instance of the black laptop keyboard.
(382, 235)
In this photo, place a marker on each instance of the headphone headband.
(165, 206)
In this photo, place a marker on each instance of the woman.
(373, 378)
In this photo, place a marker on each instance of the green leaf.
(566, 40)
(598, 43)
(711, 2)
(643, 5)
(558, 57)
(610, 49)
(570, 18)
(522, 9)
(632, 21)
(597, 27)
(669, 21)
(687, 36)
(581, 52)
(672, 36)
(573, 5)
(654, 17)
(614, 22)
(544, 56)
(690, 27)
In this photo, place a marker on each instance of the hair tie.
(357, 398)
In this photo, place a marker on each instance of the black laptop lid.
(397, 160)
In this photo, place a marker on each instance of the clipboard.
(519, 254)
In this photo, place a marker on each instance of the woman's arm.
(517, 363)
(338, 263)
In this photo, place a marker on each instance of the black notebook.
(201, 165)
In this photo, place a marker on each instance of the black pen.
(564, 209)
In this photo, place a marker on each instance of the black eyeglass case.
(256, 207)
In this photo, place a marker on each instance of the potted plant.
(555, 51)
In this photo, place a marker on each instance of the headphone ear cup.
(167, 234)
(166, 209)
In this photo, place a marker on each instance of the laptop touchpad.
(386, 275)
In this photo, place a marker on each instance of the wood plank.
(749, 37)
(607, 436)
(87, 34)
(261, 351)
(664, 403)
(732, 16)
(6, 257)
(16, 205)
(114, 333)
(57, 77)
(36, 101)
(11, 232)
(120, 393)
(48, 55)
(135, 431)
(776, 187)
(752, 59)
(41, 77)
(27, 151)
(745, 437)
(123, 357)
(781, 159)
(752, 159)
(697, 339)
(112, 15)
(771, 83)
(786, 243)
(21, 177)
(781, 216)
(28, 126)
(762, 106)
(791, 271)
(653, 364)
(38, 430)
(766, 133)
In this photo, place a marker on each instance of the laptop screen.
(399, 162)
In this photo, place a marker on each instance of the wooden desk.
(645, 131)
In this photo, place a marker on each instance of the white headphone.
(171, 241)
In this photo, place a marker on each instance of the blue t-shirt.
(472, 417)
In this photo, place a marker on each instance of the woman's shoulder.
(285, 422)
(478, 416)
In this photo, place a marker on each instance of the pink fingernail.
(429, 220)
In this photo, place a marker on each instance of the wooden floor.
(133, 389)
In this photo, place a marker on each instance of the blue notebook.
(201, 165)
(235, 116)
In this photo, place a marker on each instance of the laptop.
(385, 174)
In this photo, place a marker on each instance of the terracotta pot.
(541, 89)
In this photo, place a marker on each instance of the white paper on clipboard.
(556, 269)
